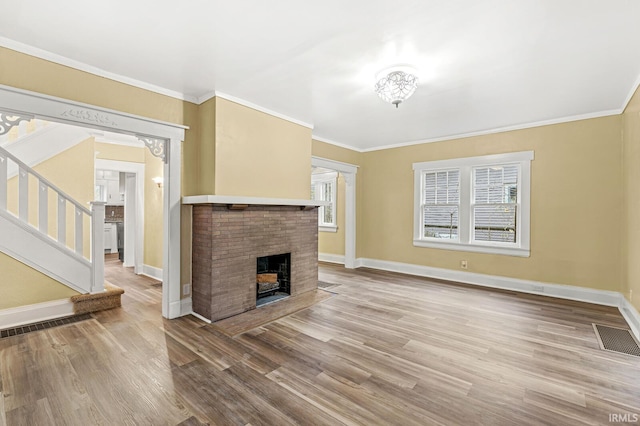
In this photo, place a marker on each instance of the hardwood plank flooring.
(246, 321)
(386, 349)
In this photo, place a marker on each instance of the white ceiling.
(483, 65)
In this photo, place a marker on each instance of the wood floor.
(386, 349)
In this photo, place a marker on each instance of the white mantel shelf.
(256, 201)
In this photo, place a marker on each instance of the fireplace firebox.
(273, 278)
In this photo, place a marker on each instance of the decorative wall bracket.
(349, 178)
(158, 147)
(9, 120)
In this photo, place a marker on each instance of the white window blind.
(326, 212)
(495, 204)
(441, 204)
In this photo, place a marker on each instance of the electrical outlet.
(186, 289)
(464, 264)
(538, 288)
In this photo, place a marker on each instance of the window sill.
(507, 251)
(325, 228)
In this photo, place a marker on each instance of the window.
(474, 204)
(323, 188)
(495, 203)
(441, 204)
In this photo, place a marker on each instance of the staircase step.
(108, 299)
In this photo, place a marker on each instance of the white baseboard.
(582, 294)
(569, 292)
(630, 313)
(152, 271)
(331, 258)
(186, 306)
(175, 310)
(37, 312)
(201, 318)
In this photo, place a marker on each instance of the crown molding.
(500, 129)
(205, 97)
(81, 66)
(338, 144)
(485, 132)
(261, 109)
(630, 95)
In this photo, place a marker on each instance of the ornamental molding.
(10, 120)
(349, 178)
(89, 116)
(158, 147)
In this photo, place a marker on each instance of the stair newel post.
(97, 246)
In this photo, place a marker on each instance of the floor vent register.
(42, 325)
(617, 340)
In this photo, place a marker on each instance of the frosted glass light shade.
(395, 86)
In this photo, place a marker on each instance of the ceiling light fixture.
(395, 85)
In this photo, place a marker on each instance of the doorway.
(348, 174)
(130, 195)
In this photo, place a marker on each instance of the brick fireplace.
(228, 240)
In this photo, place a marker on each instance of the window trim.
(466, 166)
(331, 178)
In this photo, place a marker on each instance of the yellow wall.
(631, 167)
(22, 285)
(153, 211)
(206, 147)
(190, 154)
(108, 151)
(336, 153)
(186, 238)
(576, 187)
(259, 155)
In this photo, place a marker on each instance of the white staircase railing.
(18, 203)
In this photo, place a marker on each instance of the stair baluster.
(3, 181)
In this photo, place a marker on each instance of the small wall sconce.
(158, 181)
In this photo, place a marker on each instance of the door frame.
(136, 169)
(162, 138)
(349, 172)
